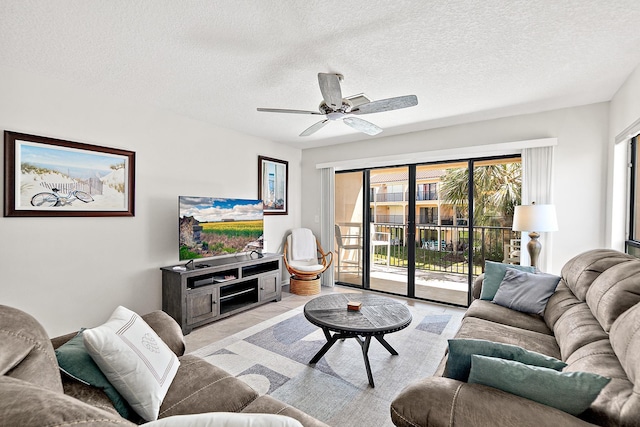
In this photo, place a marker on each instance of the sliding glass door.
(419, 231)
(349, 205)
(388, 229)
(442, 232)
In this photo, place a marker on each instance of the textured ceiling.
(217, 61)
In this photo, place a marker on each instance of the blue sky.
(66, 157)
(206, 209)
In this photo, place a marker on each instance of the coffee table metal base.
(363, 341)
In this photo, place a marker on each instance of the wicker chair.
(305, 274)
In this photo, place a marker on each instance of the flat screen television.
(211, 227)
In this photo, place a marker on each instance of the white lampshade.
(536, 218)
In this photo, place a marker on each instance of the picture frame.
(273, 185)
(47, 177)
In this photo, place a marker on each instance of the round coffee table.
(377, 316)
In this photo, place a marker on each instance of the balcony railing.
(401, 197)
(426, 195)
(420, 220)
(390, 219)
(389, 197)
(445, 248)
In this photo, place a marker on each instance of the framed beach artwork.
(273, 179)
(52, 177)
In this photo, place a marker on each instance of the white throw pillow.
(226, 419)
(134, 359)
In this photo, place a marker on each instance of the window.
(428, 216)
(633, 242)
(427, 192)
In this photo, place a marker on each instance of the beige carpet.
(273, 356)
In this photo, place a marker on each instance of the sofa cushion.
(167, 329)
(571, 392)
(559, 303)
(26, 404)
(134, 359)
(615, 291)
(598, 357)
(625, 341)
(74, 361)
(26, 351)
(487, 310)
(462, 350)
(576, 328)
(493, 275)
(200, 386)
(580, 271)
(93, 396)
(268, 405)
(437, 401)
(525, 292)
(473, 328)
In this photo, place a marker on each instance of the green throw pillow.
(460, 351)
(74, 361)
(571, 392)
(493, 275)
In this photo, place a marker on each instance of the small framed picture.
(52, 177)
(273, 181)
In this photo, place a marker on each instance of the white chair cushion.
(310, 266)
(226, 419)
(303, 245)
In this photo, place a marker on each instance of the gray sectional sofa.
(34, 393)
(591, 322)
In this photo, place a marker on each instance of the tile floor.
(223, 328)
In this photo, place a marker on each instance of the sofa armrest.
(167, 329)
(439, 401)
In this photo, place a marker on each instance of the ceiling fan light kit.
(335, 107)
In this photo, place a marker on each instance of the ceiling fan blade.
(281, 110)
(362, 125)
(387, 104)
(330, 88)
(313, 128)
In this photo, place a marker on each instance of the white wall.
(625, 104)
(624, 112)
(580, 170)
(72, 272)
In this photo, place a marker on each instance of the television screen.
(211, 227)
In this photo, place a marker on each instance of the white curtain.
(327, 218)
(537, 186)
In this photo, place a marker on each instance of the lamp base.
(534, 247)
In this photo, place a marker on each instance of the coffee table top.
(377, 316)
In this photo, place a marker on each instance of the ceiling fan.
(335, 107)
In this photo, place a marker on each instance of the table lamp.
(534, 219)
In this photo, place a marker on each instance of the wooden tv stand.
(216, 288)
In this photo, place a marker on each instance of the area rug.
(272, 357)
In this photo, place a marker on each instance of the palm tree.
(497, 190)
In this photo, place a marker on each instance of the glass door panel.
(349, 202)
(498, 184)
(388, 230)
(442, 235)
